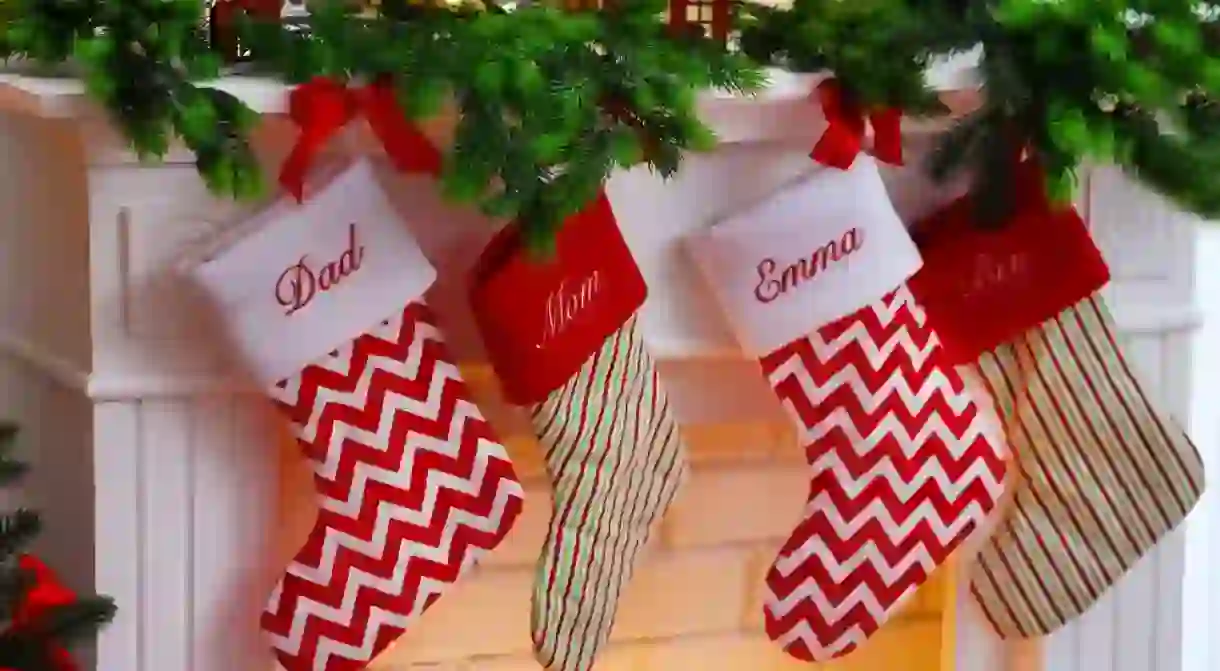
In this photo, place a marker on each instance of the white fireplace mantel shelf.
(65, 97)
(103, 343)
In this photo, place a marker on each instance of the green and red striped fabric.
(615, 458)
(1104, 473)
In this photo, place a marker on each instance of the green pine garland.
(1068, 81)
(549, 103)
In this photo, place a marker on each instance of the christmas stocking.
(325, 302)
(905, 462)
(563, 335)
(1105, 473)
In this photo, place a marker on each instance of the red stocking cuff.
(542, 319)
(981, 288)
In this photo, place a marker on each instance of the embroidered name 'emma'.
(302, 282)
(772, 284)
(567, 302)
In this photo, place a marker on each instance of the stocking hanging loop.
(847, 122)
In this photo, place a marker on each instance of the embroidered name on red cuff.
(770, 287)
(301, 282)
(982, 288)
(541, 320)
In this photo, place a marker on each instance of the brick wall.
(694, 604)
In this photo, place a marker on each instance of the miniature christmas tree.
(40, 617)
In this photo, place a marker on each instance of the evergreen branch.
(549, 103)
(31, 649)
(17, 530)
(76, 621)
(878, 49)
(11, 470)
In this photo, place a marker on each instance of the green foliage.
(1099, 81)
(29, 649)
(548, 102)
(1103, 81)
(879, 49)
(138, 59)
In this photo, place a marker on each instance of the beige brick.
(386, 663)
(725, 652)
(906, 647)
(527, 457)
(747, 442)
(724, 505)
(929, 601)
(787, 448)
(298, 502)
(683, 593)
(611, 658)
(487, 613)
(521, 547)
(757, 565)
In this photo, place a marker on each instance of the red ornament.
(46, 594)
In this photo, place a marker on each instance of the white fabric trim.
(816, 251)
(304, 279)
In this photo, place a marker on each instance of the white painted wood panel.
(190, 524)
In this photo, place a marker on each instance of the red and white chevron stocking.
(905, 461)
(325, 302)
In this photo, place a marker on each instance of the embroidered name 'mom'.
(300, 283)
(568, 302)
(775, 281)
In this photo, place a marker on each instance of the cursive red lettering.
(296, 286)
(989, 273)
(850, 242)
(806, 268)
(299, 284)
(566, 304)
(768, 288)
(349, 261)
(793, 274)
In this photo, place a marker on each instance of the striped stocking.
(615, 458)
(564, 337)
(905, 462)
(1105, 473)
(325, 303)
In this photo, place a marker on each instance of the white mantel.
(103, 339)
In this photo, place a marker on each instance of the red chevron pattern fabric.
(414, 488)
(905, 465)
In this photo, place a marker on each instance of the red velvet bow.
(321, 106)
(844, 137)
(44, 595)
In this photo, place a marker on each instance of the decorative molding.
(65, 97)
(58, 369)
(780, 110)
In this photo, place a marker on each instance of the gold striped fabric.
(615, 458)
(1104, 473)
